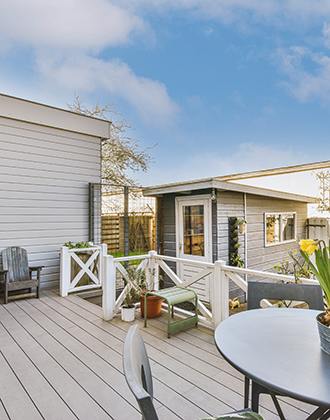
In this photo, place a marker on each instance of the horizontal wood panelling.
(44, 176)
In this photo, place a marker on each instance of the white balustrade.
(92, 268)
(220, 275)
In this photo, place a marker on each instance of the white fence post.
(220, 294)
(65, 271)
(103, 253)
(109, 287)
(152, 272)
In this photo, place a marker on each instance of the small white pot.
(127, 314)
(242, 228)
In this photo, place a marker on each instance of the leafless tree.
(120, 153)
(324, 182)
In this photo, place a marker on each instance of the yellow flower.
(308, 245)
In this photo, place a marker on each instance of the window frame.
(280, 214)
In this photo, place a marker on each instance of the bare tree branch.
(120, 153)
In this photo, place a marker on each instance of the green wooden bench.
(173, 296)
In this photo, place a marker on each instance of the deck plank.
(78, 399)
(40, 391)
(17, 402)
(66, 362)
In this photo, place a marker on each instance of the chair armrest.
(40, 267)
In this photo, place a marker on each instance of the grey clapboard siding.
(259, 257)
(44, 178)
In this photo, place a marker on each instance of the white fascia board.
(36, 113)
(226, 186)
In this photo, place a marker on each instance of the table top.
(280, 349)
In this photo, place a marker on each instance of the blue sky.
(211, 87)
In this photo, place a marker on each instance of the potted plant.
(128, 308)
(320, 267)
(241, 224)
(138, 280)
(154, 303)
(84, 256)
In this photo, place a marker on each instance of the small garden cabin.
(210, 219)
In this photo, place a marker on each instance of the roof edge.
(25, 110)
(224, 185)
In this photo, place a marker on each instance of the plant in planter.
(128, 307)
(241, 224)
(84, 256)
(154, 303)
(321, 270)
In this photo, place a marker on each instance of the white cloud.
(308, 73)
(82, 24)
(83, 73)
(264, 11)
(66, 39)
(326, 34)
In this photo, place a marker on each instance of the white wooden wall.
(44, 176)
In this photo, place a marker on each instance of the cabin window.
(193, 230)
(280, 228)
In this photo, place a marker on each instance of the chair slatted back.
(308, 293)
(15, 261)
(138, 373)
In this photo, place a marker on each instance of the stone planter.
(324, 332)
(127, 314)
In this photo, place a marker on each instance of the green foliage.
(72, 245)
(138, 281)
(236, 261)
(294, 266)
(321, 267)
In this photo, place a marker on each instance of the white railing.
(219, 275)
(91, 268)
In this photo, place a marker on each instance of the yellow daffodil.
(308, 245)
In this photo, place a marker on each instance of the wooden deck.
(59, 360)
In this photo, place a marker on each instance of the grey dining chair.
(139, 379)
(256, 291)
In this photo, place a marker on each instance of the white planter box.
(127, 314)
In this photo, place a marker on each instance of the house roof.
(216, 183)
(50, 116)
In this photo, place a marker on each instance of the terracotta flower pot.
(154, 306)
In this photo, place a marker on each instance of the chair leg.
(277, 406)
(170, 310)
(246, 391)
(145, 311)
(38, 292)
(5, 294)
(255, 397)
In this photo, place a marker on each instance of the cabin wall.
(259, 257)
(44, 195)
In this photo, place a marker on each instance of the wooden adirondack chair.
(17, 273)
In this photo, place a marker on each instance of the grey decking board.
(186, 406)
(86, 309)
(77, 343)
(116, 358)
(17, 402)
(3, 413)
(182, 375)
(122, 334)
(80, 402)
(93, 385)
(39, 389)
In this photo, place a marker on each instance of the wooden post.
(152, 272)
(109, 287)
(220, 294)
(65, 271)
(126, 221)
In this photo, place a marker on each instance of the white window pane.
(272, 229)
(288, 227)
